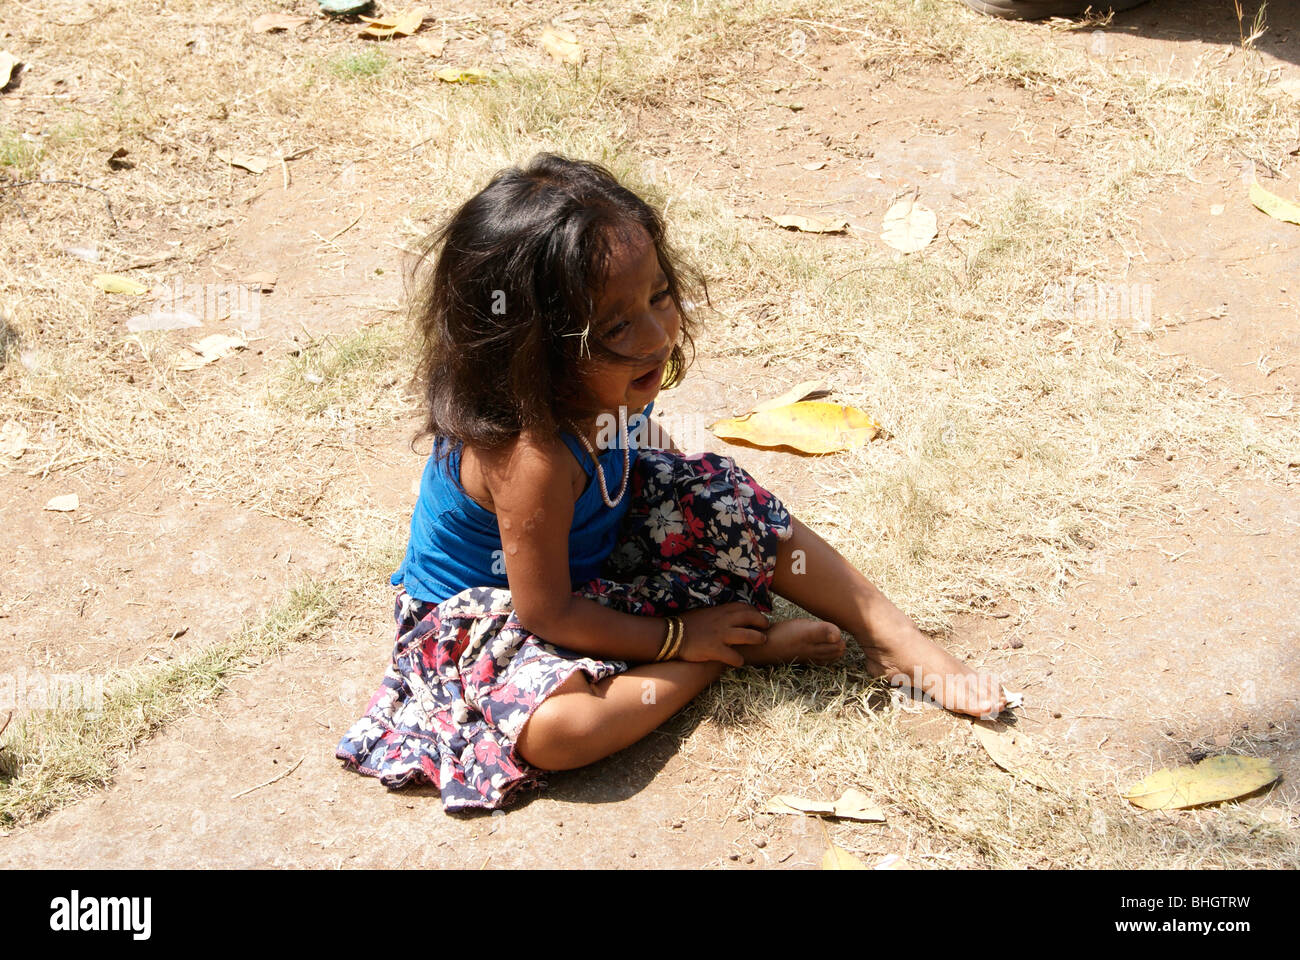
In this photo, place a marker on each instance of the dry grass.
(1001, 476)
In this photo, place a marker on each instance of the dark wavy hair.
(506, 312)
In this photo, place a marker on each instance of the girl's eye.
(618, 328)
(661, 296)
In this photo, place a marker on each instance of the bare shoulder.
(528, 463)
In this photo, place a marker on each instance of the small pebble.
(1017, 644)
(760, 843)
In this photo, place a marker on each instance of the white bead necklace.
(600, 472)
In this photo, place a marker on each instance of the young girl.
(563, 593)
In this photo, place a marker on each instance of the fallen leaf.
(117, 161)
(163, 320)
(1213, 780)
(809, 426)
(248, 162)
(808, 224)
(112, 283)
(461, 74)
(399, 25)
(65, 503)
(853, 805)
(432, 46)
(789, 804)
(13, 439)
(856, 805)
(562, 45)
(1273, 205)
(1011, 750)
(909, 226)
(837, 858)
(211, 349)
(271, 22)
(1013, 699)
(800, 391)
(7, 63)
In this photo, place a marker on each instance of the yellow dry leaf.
(809, 426)
(561, 44)
(909, 226)
(1011, 750)
(461, 74)
(808, 224)
(112, 283)
(65, 503)
(800, 391)
(1213, 780)
(270, 22)
(837, 858)
(248, 162)
(400, 24)
(211, 349)
(1273, 205)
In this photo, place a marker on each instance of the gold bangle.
(679, 629)
(668, 640)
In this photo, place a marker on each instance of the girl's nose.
(660, 333)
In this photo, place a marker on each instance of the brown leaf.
(211, 349)
(271, 22)
(853, 805)
(1011, 750)
(248, 162)
(790, 221)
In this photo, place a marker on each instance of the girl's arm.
(530, 489)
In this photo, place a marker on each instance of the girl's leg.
(811, 573)
(582, 722)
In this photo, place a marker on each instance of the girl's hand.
(712, 632)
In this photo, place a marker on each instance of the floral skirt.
(465, 676)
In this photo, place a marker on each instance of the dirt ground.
(1179, 638)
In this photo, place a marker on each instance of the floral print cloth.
(465, 676)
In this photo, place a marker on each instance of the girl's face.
(635, 317)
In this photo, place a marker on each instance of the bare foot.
(796, 641)
(919, 664)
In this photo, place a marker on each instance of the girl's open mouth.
(651, 379)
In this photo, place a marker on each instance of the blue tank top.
(455, 542)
